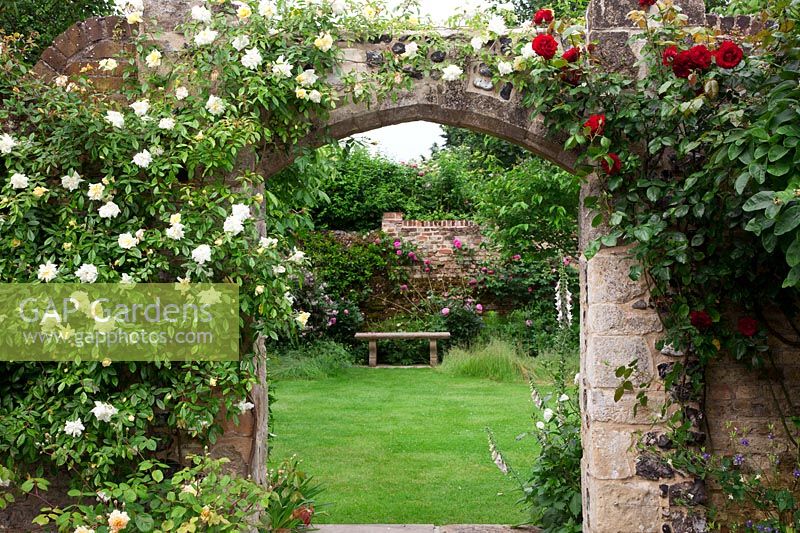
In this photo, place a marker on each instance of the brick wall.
(434, 242)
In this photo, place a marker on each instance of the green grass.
(497, 359)
(405, 445)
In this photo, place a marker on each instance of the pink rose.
(398, 244)
(399, 252)
(457, 244)
(346, 311)
(445, 311)
(479, 308)
(517, 257)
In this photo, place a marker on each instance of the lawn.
(405, 445)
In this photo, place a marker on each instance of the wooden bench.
(374, 337)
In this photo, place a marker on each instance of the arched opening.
(400, 445)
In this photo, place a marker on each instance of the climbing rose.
(700, 56)
(728, 55)
(543, 16)
(572, 55)
(545, 45)
(646, 3)
(596, 124)
(747, 326)
(614, 168)
(682, 64)
(457, 243)
(669, 54)
(700, 319)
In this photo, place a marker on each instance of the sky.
(412, 140)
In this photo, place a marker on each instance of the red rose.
(646, 3)
(613, 168)
(545, 46)
(572, 55)
(543, 16)
(700, 319)
(747, 326)
(701, 57)
(728, 55)
(596, 124)
(669, 54)
(682, 64)
(571, 76)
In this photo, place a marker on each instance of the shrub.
(498, 360)
(316, 360)
(329, 318)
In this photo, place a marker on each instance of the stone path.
(420, 528)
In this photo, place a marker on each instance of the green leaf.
(788, 220)
(776, 152)
(144, 522)
(741, 182)
(759, 201)
(793, 252)
(158, 476)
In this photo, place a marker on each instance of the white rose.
(452, 73)
(153, 59)
(240, 42)
(297, 256)
(498, 25)
(240, 211)
(252, 59)
(87, 273)
(244, 11)
(206, 36)
(577, 378)
(411, 51)
(127, 279)
(19, 181)
(175, 231)
(315, 96)
(302, 318)
(307, 78)
(268, 242)
(215, 105)
(324, 42)
(7, 143)
(115, 118)
(477, 43)
(108, 64)
(505, 68)
(233, 225)
(282, 68)
(104, 411)
(278, 270)
(201, 14)
(244, 406)
(96, 191)
(166, 123)
(288, 297)
(181, 93)
(118, 520)
(527, 51)
(142, 159)
(266, 8)
(127, 241)
(141, 107)
(71, 181)
(74, 428)
(201, 254)
(109, 210)
(47, 272)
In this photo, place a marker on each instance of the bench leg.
(373, 353)
(434, 353)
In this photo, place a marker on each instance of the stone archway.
(622, 490)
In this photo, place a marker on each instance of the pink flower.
(567, 261)
(479, 308)
(490, 272)
(398, 244)
(484, 270)
(399, 252)
(346, 311)
(457, 244)
(427, 269)
(517, 257)
(332, 321)
(530, 289)
(427, 262)
(445, 311)
(412, 256)
(403, 287)
(529, 322)
(473, 282)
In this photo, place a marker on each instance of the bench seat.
(374, 337)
